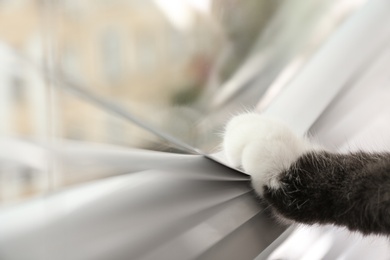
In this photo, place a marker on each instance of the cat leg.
(350, 190)
(306, 184)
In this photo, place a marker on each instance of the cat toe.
(264, 148)
(237, 135)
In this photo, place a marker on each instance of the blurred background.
(104, 73)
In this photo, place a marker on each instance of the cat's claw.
(263, 147)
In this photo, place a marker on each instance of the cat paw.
(263, 147)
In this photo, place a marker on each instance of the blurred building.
(132, 52)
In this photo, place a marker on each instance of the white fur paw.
(263, 147)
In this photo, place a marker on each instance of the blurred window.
(112, 50)
(18, 88)
(70, 64)
(146, 53)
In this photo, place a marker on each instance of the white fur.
(264, 148)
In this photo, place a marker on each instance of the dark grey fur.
(351, 190)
